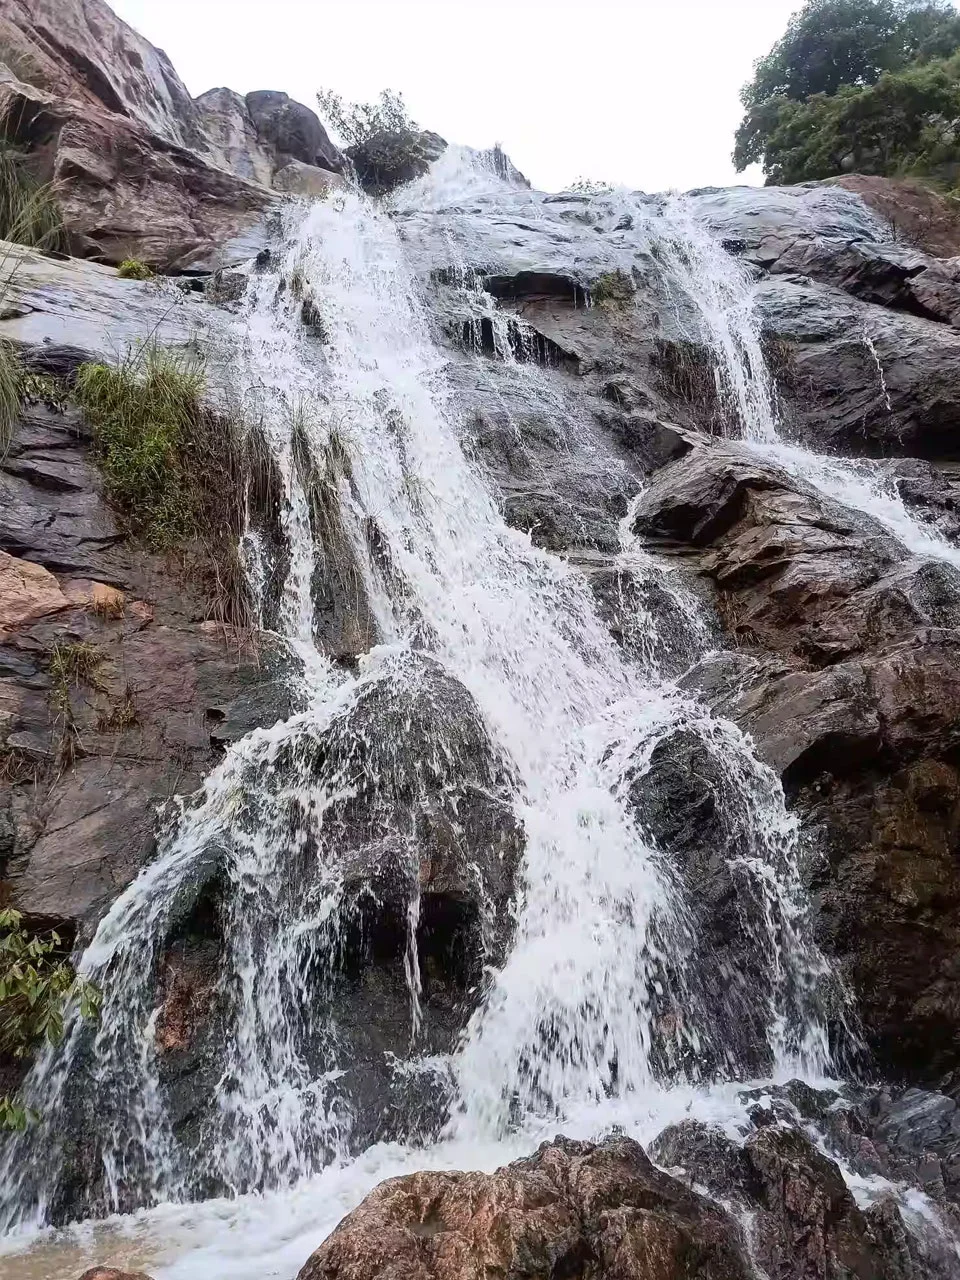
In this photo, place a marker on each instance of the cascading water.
(722, 291)
(483, 658)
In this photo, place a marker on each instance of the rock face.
(572, 1209)
(857, 708)
(141, 169)
(90, 748)
(606, 1211)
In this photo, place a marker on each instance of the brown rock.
(141, 169)
(111, 1273)
(858, 710)
(572, 1209)
(920, 216)
(27, 592)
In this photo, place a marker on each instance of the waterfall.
(721, 290)
(478, 656)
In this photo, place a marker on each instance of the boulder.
(27, 592)
(388, 159)
(111, 1273)
(292, 131)
(801, 1219)
(571, 1209)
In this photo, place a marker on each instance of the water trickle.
(721, 291)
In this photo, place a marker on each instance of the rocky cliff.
(142, 170)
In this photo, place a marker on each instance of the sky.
(636, 92)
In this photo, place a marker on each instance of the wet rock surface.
(89, 749)
(844, 675)
(572, 1209)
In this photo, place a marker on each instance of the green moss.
(613, 288)
(135, 269)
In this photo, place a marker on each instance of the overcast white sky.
(642, 93)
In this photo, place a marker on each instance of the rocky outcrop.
(571, 1209)
(845, 676)
(141, 169)
(115, 692)
(605, 1211)
(111, 1273)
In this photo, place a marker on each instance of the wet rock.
(860, 379)
(111, 1273)
(860, 718)
(572, 1209)
(796, 572)
(803, 1221)
(691, 804)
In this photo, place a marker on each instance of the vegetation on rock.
(36, 985)
(29, 210)
(176, 472)
(384, 145)
(871, 86)
(135, 269)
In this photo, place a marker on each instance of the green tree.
(36, 985)
(832, 51)
(906, 123)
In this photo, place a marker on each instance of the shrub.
(36, 985)
(135, 269)
(144, 411)
(590, 187)
(385, 146)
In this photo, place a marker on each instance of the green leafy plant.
(135, 269)
(36, 986)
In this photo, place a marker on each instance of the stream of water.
(597, 1012)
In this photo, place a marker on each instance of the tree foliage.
(384, 145)
(36, 985)
(356, 122)
(854, 84)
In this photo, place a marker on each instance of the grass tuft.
(29, 210)
(178, 475)
(135, 269)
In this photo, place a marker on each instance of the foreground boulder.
(572, 1209)
(579, 1210)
